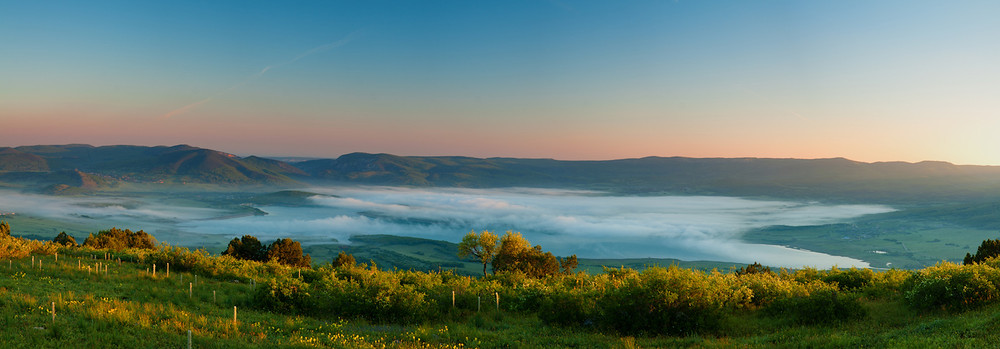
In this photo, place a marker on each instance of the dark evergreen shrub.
(64, 239)
(986, 250)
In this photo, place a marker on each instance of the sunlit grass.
(126, 306)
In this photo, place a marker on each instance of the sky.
(574, 80)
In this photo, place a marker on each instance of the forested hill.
(48, 165)
(93, 168)
(831, 179)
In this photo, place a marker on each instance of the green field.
(911, 238)
(128, 306)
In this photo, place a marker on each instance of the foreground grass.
(127, 306)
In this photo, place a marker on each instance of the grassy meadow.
(126, 305)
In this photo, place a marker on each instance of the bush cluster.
(657, 300)
(285, 251)
(950, 286)
(117, 239)
(16, 247)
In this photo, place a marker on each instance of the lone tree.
(4, 228)
(987, 250)
(482, 246)
(64, 239)
(288, 251)
(247, 247)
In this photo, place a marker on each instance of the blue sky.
(866, 80)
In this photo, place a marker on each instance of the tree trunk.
(484, 270)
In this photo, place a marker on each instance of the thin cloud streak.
(321, 48)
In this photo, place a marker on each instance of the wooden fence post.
(154, 270)
(234, 315)
(168, 271)
(213, 297)
(452, 298)
(190, 289)
(189, 339)
(53, 312)
(479, 305)
(498, 300)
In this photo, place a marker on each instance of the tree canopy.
(248, 248)
(117, 239)
(517, 255)
(480, 246)
(4, 228)
(288, 251)
(65, 239)
(986, 250)
(344, 260)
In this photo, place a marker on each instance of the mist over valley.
(780, 212)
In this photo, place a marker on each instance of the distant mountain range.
(177, 164)
(83, 167)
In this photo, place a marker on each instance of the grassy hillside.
(127, 305)
(13, 160)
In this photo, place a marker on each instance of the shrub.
(822, 306)
(283, 294)
(669, 301)
(247, 247)
(766, 288)
(755, 268)
(950, 286)
(344, 260)
(851, 279)
(569, 308)
(891, 282)
(64, 239)
(116, 239)
(15, 247)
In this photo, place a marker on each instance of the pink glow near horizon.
(867, 81)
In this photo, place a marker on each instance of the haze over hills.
(90, 167)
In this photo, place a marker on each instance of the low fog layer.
(588, 224)
(103, 212)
